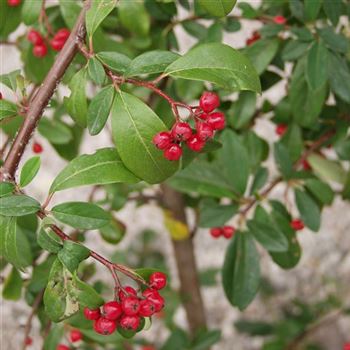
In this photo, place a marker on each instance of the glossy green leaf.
(99, 109)
(6, 188)
(320, 190)
(98, 11)
(12, 288)
(205, 339)
(57, 132)
(151, 62)
(134, 125)
(113, 232)
(102, 167)
(96, 71)
(260, 179)
(72, 254)
(333, 10)
(218, 8)
(195, 29)
(217, 63)
(243, 110)
(257, 149)
(18, 205)
(7, 109)
(14, 245)
(76, 103)
(56, 333)
(294, 50)
(293, 141)
(49, 241)
(317, 65)
(311, 9)
(283, 160)
(31, 11)
(308, 209)
(334, 41)
(70, 11)
(241, 270)
(29, 170)
(81, 215)
(10, 79)
(114, 60)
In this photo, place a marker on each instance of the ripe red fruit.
(181, 131)
(40, 50)
(216, 120)
(162, 140)
(13, 3)
(228, 231)
(112, 310)
(255, 37)
(174, 152)
(297, 224)
(37, 148)
(131, 306)
(34, 37)
(148, 347)
(204, 131)
(281, 129)
(195, 143)
(126, 291)
(209, 101)
(75, 335)
(62, 347)
(130, 322)
(154, 297)
(57, 44)
(216, 232)
(104, 326)
(280, 19)
(147, 308)
(157, 280)
(29, 341)
(1, 96)
(306, 165)
(62, 34)
(346, 346)
(92, 314)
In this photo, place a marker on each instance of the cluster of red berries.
(40, 48)
(255, 37)
(206, 123)
(37, 147)
(13, 3)
(297, 224)
(128, 311)
(225, 231)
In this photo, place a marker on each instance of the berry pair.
(297, 224)
(130, 308)
(225, 231)
(59, 39)
(206, 123)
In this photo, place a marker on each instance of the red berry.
(62, 347)
(154, 297)
(40, 50)
(92, 314)
(280, 19)
(281, 129)
(37, 148)
(209, 101)
(297, 224)
(29, 341)
(126, 291)
(75, 335)
(1, 97)
(216, 232)
(163, 140)
(104, 326)
(112, 310)
(346, 346)
(148, 347)
(131, 306)
(255, 37)
(228, 231)
(216, 120)
(306, 165)
(57, 44)
(195, 143)
(181, 131)
(34, 37)
(13, 3)
(147, 308)
(130, 322)
(174, 152)
(62, 34)
(204, 131)
(157, 280)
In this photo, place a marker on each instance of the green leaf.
(100, 168)
(268, 236)
(217, 63)
(76, 103)
(81, 215)
(294, 50)
(72, 254)
(128, 11)
(334, 41)
(98, 11)
(333, 10)
(113, 232)
(6, 188)
(13, 284)
(254, 327)
(283, 160)
(114, 60)
(293, 141)
(31, 11)
(7, 109)
(14, 245)
(48, 240)
(96, 71)
(151, 62)
(57, 132)
(10, 79)
(257, 149)
(134, 125)
(205, 339)
(308, 209)
(99, 109)
(320, 190)
(260, 179)
(56, 333)
(29, 171)
(241, 270)
(261, 53)
(70, 11)
(234, 161)
(195, 29)
(311, 9)
(213, 214)
(243, 110)
(218, 8)
(18, 205)
(316, 67)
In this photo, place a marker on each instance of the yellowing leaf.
(177, 229)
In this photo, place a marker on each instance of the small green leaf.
(100, 168)
(10, 79)
(96, 71)
(205, 339)
(29, 171)
(18, 205)
(243, 110)
(99, 109)
(13, 284)
(320, 190)
(31, 11)
(72, 254)
(113, 232)
(48, 240)
(311, 9)
(218, 8)
(260, 179)
(81, 215)
(317, 64)
(213, 214)
(294, 50)
(308, 209)
(70, 11)
(283, 160)
(334, 41)
(57, 132)
(217, 63)
(6, 188)
(333, 10)
(7, 109)
(241, 270)
(114, 60)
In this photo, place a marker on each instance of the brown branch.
(42, 97)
